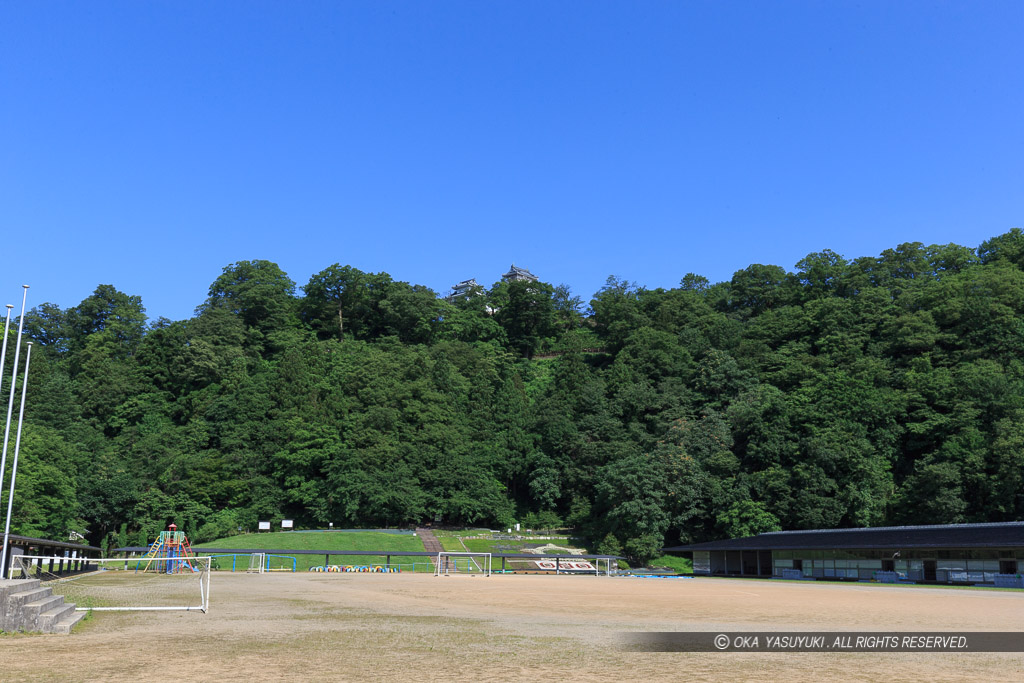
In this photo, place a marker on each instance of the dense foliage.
(847, 393)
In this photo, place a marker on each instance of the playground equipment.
(170, 553)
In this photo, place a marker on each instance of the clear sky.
(149, 144)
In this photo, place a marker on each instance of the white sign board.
(264, 526)
(286, 524)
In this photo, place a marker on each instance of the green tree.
(568, 308)
(526, 311)
(631, 505)
(259, 293)
(342, 301)
(746, 518)
(617, 311)
(108, 310)
(46, 504)
(756, 289)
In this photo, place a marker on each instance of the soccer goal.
(257, 563)
(124, 584)
(448, 564)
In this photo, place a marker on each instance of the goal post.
(449, 563)
(257, 562)
(124, 584)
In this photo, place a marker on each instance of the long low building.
(949, 553)
(75, 555)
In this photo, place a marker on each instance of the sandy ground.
(372, 627)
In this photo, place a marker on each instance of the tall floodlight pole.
(3, 361)
(10, 402)
(14, 467)
(3, 351)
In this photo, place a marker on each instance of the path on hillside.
(430, 543)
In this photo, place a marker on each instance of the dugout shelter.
(987, 554)
(71, 557)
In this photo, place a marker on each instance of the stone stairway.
(26, 605)
(430, 543)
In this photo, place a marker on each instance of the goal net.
(124, 584)
(462, 563)
(261, 563)
(257, 562)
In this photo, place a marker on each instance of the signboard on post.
(264, 526)
(286, 524)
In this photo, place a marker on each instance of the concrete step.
(9, 587)
(15, 615)
(49, 619)
(32, 610)
(26, 605)
(17, 601)
(68, 622)
(12, 601)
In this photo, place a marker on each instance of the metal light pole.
(10, 402)
(3, 361)
(3, 351)
(14, 467)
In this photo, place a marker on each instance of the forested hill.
(884, 390)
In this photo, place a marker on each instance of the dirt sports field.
(363, 627)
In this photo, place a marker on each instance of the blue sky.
(149, 144)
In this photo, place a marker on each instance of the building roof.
(463, 288)
(517, 273)
(29, 541)
(994, 535)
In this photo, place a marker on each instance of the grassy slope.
(680, 565)
(450, 541)
(283, 541)
(369, 540)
